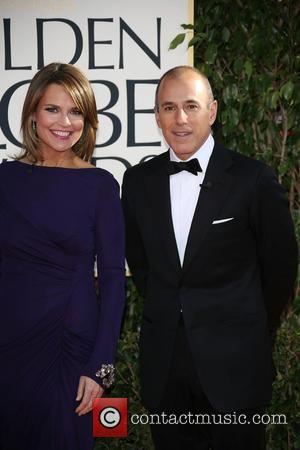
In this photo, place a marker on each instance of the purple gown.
(53, 221)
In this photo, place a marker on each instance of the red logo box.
(110, 417)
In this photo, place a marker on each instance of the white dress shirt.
(184, 191)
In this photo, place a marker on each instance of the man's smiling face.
(185, 112)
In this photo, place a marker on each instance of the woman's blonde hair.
(80, 90)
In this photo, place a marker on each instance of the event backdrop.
(121, 45)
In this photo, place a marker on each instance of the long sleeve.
(276, 242)
(135, 253)
(109, 231)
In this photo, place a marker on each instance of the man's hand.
(87, 390)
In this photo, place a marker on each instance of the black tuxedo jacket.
(236, 277)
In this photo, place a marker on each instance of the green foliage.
(177, 40)
(249, 52)
(286, 390)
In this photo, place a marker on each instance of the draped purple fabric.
(53, 326)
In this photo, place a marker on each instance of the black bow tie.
(191, 166)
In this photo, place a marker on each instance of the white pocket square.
(215, 222)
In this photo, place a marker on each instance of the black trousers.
(185, 400)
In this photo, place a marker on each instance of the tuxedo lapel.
(158, 192)
(215, 189)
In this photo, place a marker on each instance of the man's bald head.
(177, 72)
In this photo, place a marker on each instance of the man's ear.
(213, 109)
(157, 116)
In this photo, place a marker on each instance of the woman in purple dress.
(58, 214)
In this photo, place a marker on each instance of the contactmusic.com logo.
(110, 417)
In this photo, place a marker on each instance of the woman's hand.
(87, 390)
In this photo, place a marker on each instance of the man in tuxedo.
(211, 246)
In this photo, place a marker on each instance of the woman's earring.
(33, 126)
(82, 139)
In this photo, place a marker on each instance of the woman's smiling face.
(59, 122)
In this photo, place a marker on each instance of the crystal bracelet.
(107, 374)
